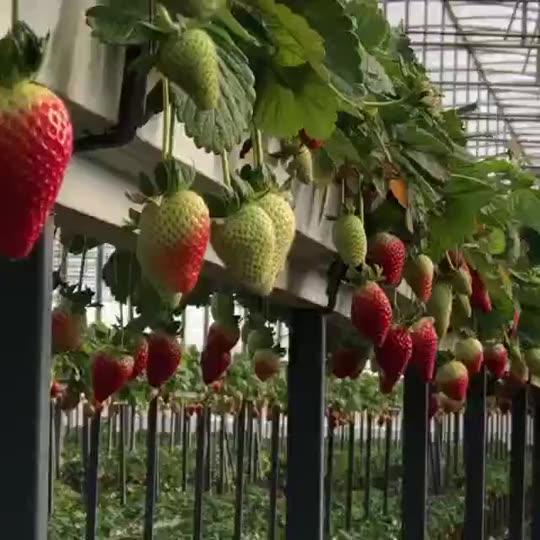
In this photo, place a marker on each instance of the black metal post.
(274, 472)
(52, 475)
(475, 452)
(535, 525)
(92, 478)
(517, 467)
(122, 455)
(200, 472)
(25, 289)
(387, 451)
(305, 426)
(328, 478)
(367, 465)
(151, 462)
(185, 443)
(415, 440)
(240, 449)
(209, 448)
(350, 475)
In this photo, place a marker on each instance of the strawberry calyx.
(76, 300)
(21, 54)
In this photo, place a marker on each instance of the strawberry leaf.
(295, 98)
(221, 129)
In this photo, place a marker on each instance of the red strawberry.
(266, 363)
(55, 389)
(388, 252)
(424, 340)
(216, 386)
(480, 296)
(419, 276)
(371, 312)
(67, 329)
(164, 355)
(515, 322)
(190, 410)
(214, 363)
(394, 354)
(36, 140)
(386, 383)
(346, 363)
(453, 379)
(140, 357)
(496, 358)
(450, 405)
(110, 372)
(223, 336)
(505, 404)
(311, 143)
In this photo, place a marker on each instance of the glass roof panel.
(483, 51)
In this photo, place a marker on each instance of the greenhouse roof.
(483, 53)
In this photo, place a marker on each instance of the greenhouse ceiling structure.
(484, 55)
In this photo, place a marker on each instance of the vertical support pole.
(122, 455)
(475, 452)
(517, 467)
(274, 471)
(350, 475)
(535, 525)
(328, 478)
(415, 440)
(200, 470)
(151, 462)
(92, 477)
(305, 426)
(52, 474)
(209, 449)
(185, 444)
(387, 450)
(239, 496)
(25, 289)
(367, 466)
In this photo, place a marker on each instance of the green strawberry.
(462, 280)
(260, 338)
(284, 220)
(461, 310)
(190, 60)
(350, 239)
(532, 359)
(440, 307)
(301, 166)
(172, 241)
(246, 244)
(222, 307)
(419, 276)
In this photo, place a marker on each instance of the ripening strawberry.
(424, 340)
(110, 371)
(371, 312)
(172, 241)
(471, 353)
(164, 355)
(283, 217)
(301, 166)
(394, 354)
(532, 359)
(266, 364)
(222, 307)
(452, 379)
(480, 298)
(190, 60)
(496, 359)
(312, 144)
(462, 280)
(140, 357)
(259, 338)
(388, 252)
(419, 276)
(439, 307)
(36, 139)
(68, 328)
(450, 405)
(214, 364)
(246, 243)
(223, 336)
(55, 389)
(350, 239)
(346, 362)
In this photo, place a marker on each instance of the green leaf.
(295, 41)
(221, 129)
(340, 148)
(371, 25)
(376, 78)
(454, 126)
(122, 274)
(421, 139)
(298, 100)
(429, 163)
(120, 22)
(526, 203)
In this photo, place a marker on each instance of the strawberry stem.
(165, 152)
(257, 146)
(226, 170)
